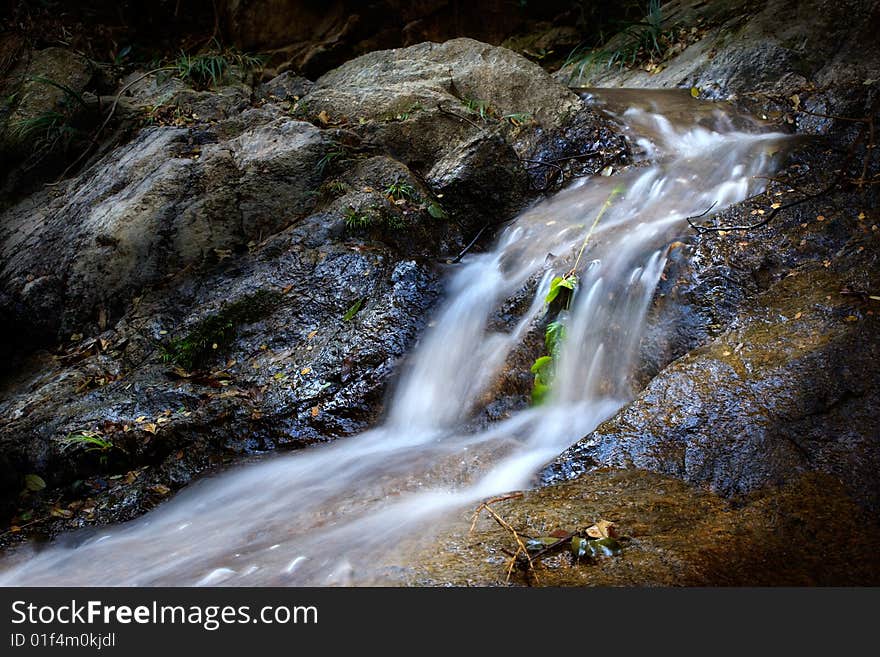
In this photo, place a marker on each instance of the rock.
(285, 87)
(170, 199)
(805, 533)
(463, 115)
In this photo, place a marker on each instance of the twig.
(614, 192)
(521, 547)
(544, 163)
(470, 245)
(699, 216)
(27, 524)
(458, 116)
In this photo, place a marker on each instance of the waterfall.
(330, 514)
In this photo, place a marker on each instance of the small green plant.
(645, 39)
(403, 116)
(355, 308)
(562, 287)
(328, 158)
(480, 107)
(436, 210)
(121, 55)
(337, 187)
(399, 190)
(217, 331)
(518, 118)
(208, 69)
(355, 219)
(91, 441)
(51, 128)
(544, 368)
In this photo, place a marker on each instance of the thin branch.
(470, 245)
(458, 116)
(690, 219)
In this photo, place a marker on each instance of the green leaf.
(437, 211)
(557, 285)
(607, 546)
(539, 393)
(351, 312)
(581, 547)
(539, 543)
(539, 366)
(34, 483)
(554, 337)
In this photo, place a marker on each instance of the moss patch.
(217, 331)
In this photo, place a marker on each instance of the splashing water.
(329, 515)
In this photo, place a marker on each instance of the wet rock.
(158, 204)
(805, 533)
(475, 121)
(285, 87)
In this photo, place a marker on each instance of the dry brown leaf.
(602, 529)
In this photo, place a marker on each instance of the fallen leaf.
(323, 117)
(305, 370)
(602, 529)
(34, 483)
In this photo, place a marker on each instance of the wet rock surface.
(806, 533)
(250, 277)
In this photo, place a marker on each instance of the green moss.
(217, 331)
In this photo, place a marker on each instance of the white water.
(328, 515)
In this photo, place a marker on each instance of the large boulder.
(172, 198)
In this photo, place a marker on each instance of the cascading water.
(329, 514)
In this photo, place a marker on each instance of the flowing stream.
(329, 514)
